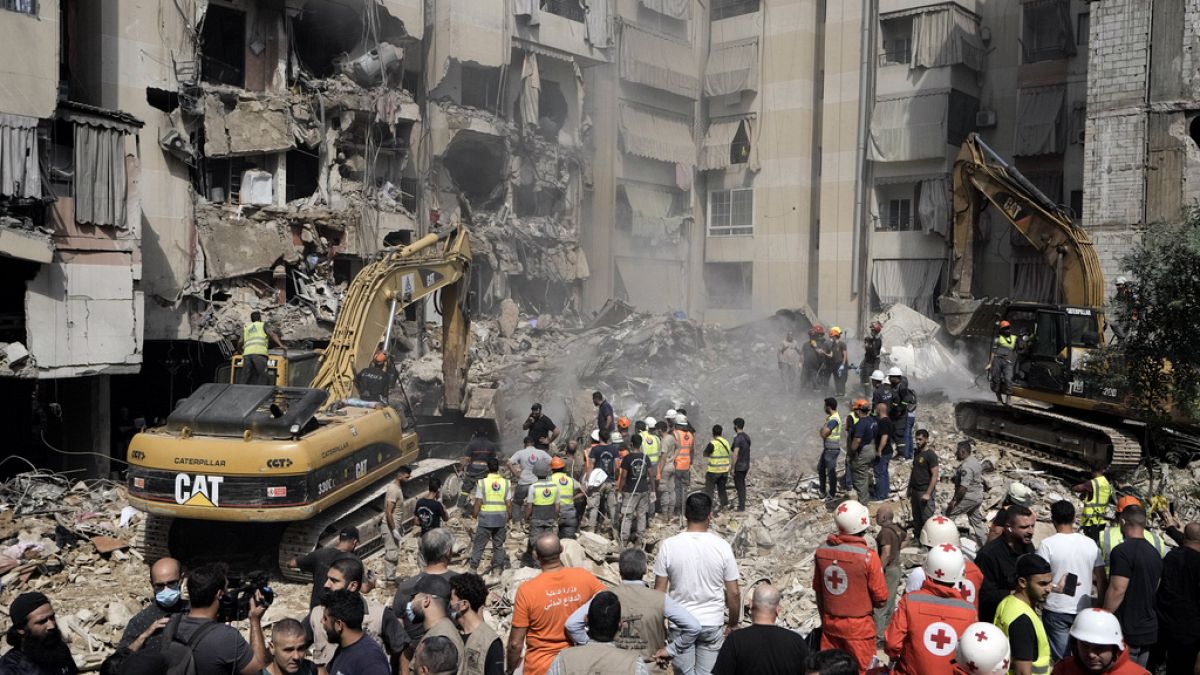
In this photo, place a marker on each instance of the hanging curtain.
(1033, 279)
(530, 9)
(909, 128)
(676, 9)
(1039, 128)
(946, 36)
(99, 175)
(531, 89)
(732, 68)
(933, 208)
(19, 173)
(715, 152)
(650, 209)
(648, 134)
(906, 282)
(599, 30)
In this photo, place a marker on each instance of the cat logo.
(198, 490)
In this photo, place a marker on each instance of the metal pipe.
(866, 96)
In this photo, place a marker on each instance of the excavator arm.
(437, 261)
(981, 177)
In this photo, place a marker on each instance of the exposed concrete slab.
(84, 318)
(234, 248)
(24, 245)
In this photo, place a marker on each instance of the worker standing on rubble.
(813, 358)
(474, 462)
(741, 460)
(493, 507)
(885, 436)
(1000, 364)
(863, 449)
(888, 543)
(540, 428)
(922, 483)
(849, 583)
(685, 439)
(520, 467)
(788, 359)
(1112, 536)
(373, 382)
(716, 475)
(602, 491)
(1017, 616)
(839, 361)
(968, 491)
(604, 414)
(831, 447)
(635, 485)
(848, 426)
(872, 348)
(1096, 494)
(903, 411)
(926, 626)
(254, 348)
(541, 508)
(568, 491)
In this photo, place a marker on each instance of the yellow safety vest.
(1112, 536)
(1006, 345)
(254, 339)
(543, 496)
(1096, 505)
(651, 446)
(566, 488)
(835, 436)
(851, 420)
(495, 494)
(718, 461)
(1010, 609)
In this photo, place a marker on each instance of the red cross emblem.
(941, 520)
(939, 573)
(981, 636)
(949, 548)
(842, 509)
(940, 639)
(968, 591)
(836, 581)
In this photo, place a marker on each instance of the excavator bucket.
(971, 318)
(445, 436)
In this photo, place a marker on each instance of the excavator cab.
(288, 367)
(1054, 342)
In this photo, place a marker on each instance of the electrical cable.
(79, 453)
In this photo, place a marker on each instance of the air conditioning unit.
(985, 119)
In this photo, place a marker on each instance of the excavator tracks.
(1050, 438)
(152, 537)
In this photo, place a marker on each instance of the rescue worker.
(664, 475)
(812, 361)
(788, 359)
(541, 508)
(863, 449)
(831, 447)
(881, 390)
(624, 431)
(635, 487)
(568, 492)
(373, 382)
(1000, 364)
(849, 584)
(1017, 616)
(872, 346)
(1099, 647)
(903, 411)
(982, 650)
(716, 475)
(839, 361)
(493, 507)
(848, 427)
(941, 530)
(685, 439)
(1112, 536)
(1096, 494)
(927, 623)
(474, 461)
(652, 448)
(254, 348)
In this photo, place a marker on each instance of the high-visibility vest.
(934, 624)
(651, 446)
(1010, 609)
(1111, 537)
(851, 420)
(841, 580)
(495, 494)
(718, 461)
(1006, 345)
(566, 490)
(683, 454)
(1095, 506)
(254, 339)
(543, 495)
(835, 435)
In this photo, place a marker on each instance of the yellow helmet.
(835, 331)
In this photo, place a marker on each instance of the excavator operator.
(1000, 365)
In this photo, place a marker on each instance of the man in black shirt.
(474, 463)
(1133, 582)
(145, 628)
(436, 549)
(219, 648)
(604, 414)
(998, 558)
(603, 457)
(357, 653)
(634, 483)
(541, 429)
(1033, 585)
(37, 642)
(317, 563)
(1179, 602)
(429, 510)
(372, 382)
(762, 648)
(884, 439)
(741, 460)
(922, 484)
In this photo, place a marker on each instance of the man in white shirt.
(1075, 564)
(697, 569)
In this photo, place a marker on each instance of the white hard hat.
(1097, 627)
(615, 437)
(895, 372)
(939, 530)
(944, 563)
(671, 414)
(1121, 281)
(983, 650)
(650, 422)
(852, 517)
(596, 435)
(877, 376)
(680, 418)
(1019, 493)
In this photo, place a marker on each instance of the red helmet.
(1004, 324)
(819, 329)
(876, 326)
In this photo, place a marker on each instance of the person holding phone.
(1075, 565)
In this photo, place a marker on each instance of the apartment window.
(739, 150)
(729, 285)
(961, 118)
(1050, 183)
(223, 41)
(568, 9)
(897, 41)
(731, 212)
(1083, 28)
(1046, 32)
(480, 86)
(896, 215)
(1077, 205)
(22, 6)
(723, 9)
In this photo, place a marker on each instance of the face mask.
(167, 597)
(455, 613)
(409, 613)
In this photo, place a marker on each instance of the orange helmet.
(622, 422)
(380, 357)
(835, 332)
(1126, 501)
(1005, 324)
(862, 404)
(557, 463)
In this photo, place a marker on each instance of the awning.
(82, 113)
(732, 68)
(910, 128)
(1039, 129)
(946, 36)
(658, 62)
(19, 172)
(714, 154)
(651, 211)
(906, 282)
(676, 9)
(656, 136)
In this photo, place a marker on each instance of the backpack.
(180, 654)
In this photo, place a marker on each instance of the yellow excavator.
(264, 473)
(1064, 420)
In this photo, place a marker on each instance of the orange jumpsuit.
(849, 583)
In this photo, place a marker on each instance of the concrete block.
(15, 353)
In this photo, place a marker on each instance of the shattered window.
(480, 86)
(22, 6)
(731, 212)
(723, 9)
(1046, 30)
(897, 41)
(223, 59)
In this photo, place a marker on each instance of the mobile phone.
(1070, 584)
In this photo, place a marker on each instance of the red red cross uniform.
(849, 582)
(925, 629)
(971, 583)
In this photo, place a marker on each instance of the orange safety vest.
(934, 626)
(683, 454)
(971, 583)
(840, 578)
